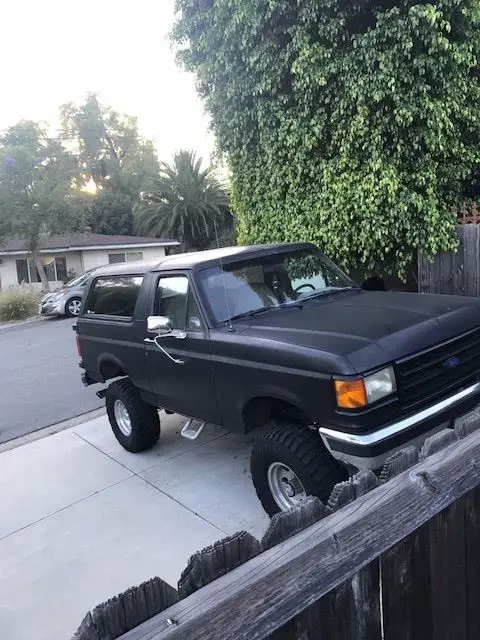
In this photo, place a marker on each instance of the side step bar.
(191, 431)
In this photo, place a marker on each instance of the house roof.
(85, 242)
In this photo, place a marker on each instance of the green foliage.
(106, 212)
(109, 148)
(36, 176)
(18, 304)
(113, 155)
(351, 124)
(185, 202)
(42, 176)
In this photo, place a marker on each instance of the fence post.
(124, 612)
(217, 560)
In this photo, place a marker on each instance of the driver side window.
(175, 300)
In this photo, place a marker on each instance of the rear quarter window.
(114, 296)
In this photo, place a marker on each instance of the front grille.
(443, 368)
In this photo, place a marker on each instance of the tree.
(36, 181)
(113, 155)
(352, 124)
(104, 212)
(184, 202)
(110, 150)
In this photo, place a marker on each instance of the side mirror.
(161, 325)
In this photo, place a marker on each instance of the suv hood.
(370, 329)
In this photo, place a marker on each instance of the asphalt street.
(39, 377)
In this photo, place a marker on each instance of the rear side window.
(114, 296)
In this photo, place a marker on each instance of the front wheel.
(72, 308)
(135, 423)
(290, 463)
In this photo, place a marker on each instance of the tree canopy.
(110, 150)
(36, 180)
(43, 176)
(352, 124)
(184, 202)
(114, 156)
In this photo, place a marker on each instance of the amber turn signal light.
(351, 394)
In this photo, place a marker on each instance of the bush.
(18, 304)
(351, 124)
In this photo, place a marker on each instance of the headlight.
(354, 394)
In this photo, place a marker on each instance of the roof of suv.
(193, 260)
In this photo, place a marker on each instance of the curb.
(51, 430)
(4, 326)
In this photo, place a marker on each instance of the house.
(67, 256)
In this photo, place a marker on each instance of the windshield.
(78, 282)
(269, 281)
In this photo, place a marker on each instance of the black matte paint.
(289, 354)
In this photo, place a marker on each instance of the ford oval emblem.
(451, 363)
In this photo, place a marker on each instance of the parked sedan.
(67, 300)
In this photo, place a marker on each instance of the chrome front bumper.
(370, 450)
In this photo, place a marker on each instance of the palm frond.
(185, 202)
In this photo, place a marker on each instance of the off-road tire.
(303, 451)
(144, 417)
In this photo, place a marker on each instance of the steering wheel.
(302, 286)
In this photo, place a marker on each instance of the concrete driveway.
(81, 519)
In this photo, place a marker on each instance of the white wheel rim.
(285, 486)
(74, 307)
(122, 418)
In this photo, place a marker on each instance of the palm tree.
(185, 202)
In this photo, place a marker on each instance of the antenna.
(230, 327)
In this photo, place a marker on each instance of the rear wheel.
(72, 308)
(288, 464)
(135, 423)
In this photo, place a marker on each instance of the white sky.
(55, 51)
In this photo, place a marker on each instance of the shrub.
(18, 304)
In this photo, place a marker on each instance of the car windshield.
(251, 286)
(78, 282)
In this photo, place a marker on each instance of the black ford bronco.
(277, 336)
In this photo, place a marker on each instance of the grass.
(18, 304)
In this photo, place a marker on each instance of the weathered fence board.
(447, 571)
(263, 594)
(454, 272)
(472, 562)
(349, 612)
(406, 601)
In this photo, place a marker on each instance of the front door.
(185, 386)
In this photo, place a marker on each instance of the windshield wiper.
(326, 292)
(248, 314)
(283, 305)
(291, 303)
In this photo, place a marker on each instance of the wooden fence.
(394, 557)
(454, 272)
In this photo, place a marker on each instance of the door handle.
(155, 342)
(180, 335)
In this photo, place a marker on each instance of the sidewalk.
(81, 519)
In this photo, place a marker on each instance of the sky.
(56, 51)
